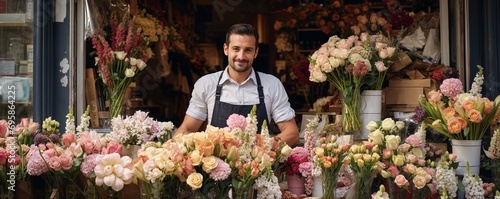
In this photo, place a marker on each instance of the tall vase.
(116, 102)
(151, 190)
(371, 109)
(363, 185)
(317, 186)
(329, 184)
(351, 120)
(467, 151)
(296, 184)
(245, 193)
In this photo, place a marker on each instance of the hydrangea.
(451, 87)
(236, 121)
(88, 164)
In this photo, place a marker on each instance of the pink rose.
(452, 157)
(55, 163)
(414, 140)
(68, 138)
(50, 152)
(88, 145)
(113, 147)
(4, 128)
(66, 161)
(401, 181)
(386, 154)
(403, 148)
(393, 170)
(411, 158)
(421, 162)
(3, 156)
(33, 127)
(432, 187)
(434, 96)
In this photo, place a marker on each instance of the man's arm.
(189, 125)
(289, 132)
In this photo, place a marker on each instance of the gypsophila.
(476, 87)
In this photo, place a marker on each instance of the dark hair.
(242, 29)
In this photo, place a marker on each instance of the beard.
(241, 66)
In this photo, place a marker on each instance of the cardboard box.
(402, 95)
(398, 83)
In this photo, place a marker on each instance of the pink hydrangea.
(305, 168)
(300, 151)
(221, 172)
(236, 121)
(451, 87)
(36, 163)
(88, 164)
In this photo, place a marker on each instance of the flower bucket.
(317, 186)
(295, 184)
(371, 109)
(467, 151)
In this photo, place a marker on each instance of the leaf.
(454, 165)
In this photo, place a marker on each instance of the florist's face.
(241, 51)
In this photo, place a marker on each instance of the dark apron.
(223, 110)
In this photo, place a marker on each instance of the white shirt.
(202, 101)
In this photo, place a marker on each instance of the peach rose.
(468, 104)
(195, 157)
(454, 125)
(393, 170)
(195, 180)
(434, 96)
(474, 116)
(449, 112)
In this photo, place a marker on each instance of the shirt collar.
(225, 77)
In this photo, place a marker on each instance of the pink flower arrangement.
(299, 157)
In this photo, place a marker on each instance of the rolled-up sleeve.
(281, 109)
(197, 105)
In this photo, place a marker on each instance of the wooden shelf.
(13, 20)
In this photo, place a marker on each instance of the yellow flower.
(195, 180)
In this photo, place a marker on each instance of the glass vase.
(495, 171)
(329, 184)
(244, 193)
(116, 102)
(351, 114)
(151, 190)
(363, 186)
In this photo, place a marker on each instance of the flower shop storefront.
(77, 145)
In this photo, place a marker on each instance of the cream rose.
(195, 157)
(388, 124)
(372, 126)
(401, 181)
(392, 142)
(419, 181)
(377, 137)
(195, 180)
(209, 163)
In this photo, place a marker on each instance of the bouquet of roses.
(459, 115)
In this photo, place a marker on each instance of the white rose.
(388, 124)
(392, 142)
(380, 66)
(418, 152)
(377, 137)
(285, 151)
(129, 72)
(390, 51)
(326, 67)
(379, 46)
(133, 61)
(372, 126)
(317, 76)
(120, 55)
(195, 157)
(334, 62)
(141, 65)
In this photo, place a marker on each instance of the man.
(236, 89)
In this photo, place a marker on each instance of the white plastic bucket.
(371, 109)
(467, 151)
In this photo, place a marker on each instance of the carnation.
(221, 172)
(451, 87)
(236, 121)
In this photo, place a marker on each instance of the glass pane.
(16, 59)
